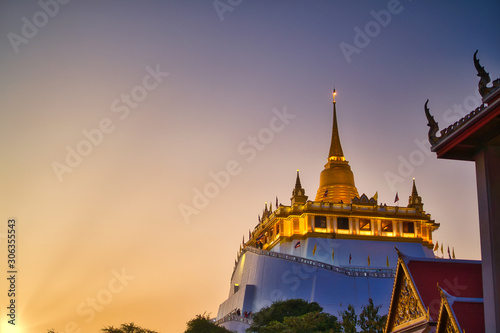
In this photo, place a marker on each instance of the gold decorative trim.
(406, 308)
(446, 321)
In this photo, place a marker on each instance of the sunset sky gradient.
(111, 229)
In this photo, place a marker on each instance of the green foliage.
(279, 310)
(312, 322)
(369, 319)
(349, 320)
(202, 324)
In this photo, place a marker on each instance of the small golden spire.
(414, 189)
(333, 94)
(297, 181)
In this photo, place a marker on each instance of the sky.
(140, 140)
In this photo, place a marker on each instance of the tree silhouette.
(202, 324)
(369, 319)
(124, 328)
(280, 310)
(312, 322)
(349, 319)
(127, 328)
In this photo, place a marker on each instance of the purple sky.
(170, 94)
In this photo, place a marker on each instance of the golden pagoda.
(336, 250)
(339, 212)
(336, 182)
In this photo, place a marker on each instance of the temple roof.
(336, 180)
(461, 278)
(335, 146)
(459, 141)
(469, 315)
(425, 286)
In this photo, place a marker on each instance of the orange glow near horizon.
(133, 189)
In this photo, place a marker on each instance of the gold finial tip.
(297, 170)
(413, 178)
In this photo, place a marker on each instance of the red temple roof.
(459, 278)
(469, 315)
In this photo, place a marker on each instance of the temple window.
(320, 221)
(342, 225)
(408, 228)
(296, 226)
(365, 227)
(387, 228)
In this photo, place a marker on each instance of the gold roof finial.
(414, 189)
(297, 181)
(335, 147)
(336, 183)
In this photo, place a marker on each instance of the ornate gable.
(407, 309)
(446, 322)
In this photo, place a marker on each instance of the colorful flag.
(333, 254)
(326, 194)
(396, 199)
(297, 245)
(436, 247)
(387, 261)
(314, 249)
(350, 258)
(368, 260)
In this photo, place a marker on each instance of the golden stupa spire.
(414, 190)
(335, 146)
(336, 183)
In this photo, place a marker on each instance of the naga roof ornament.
(433, 126)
